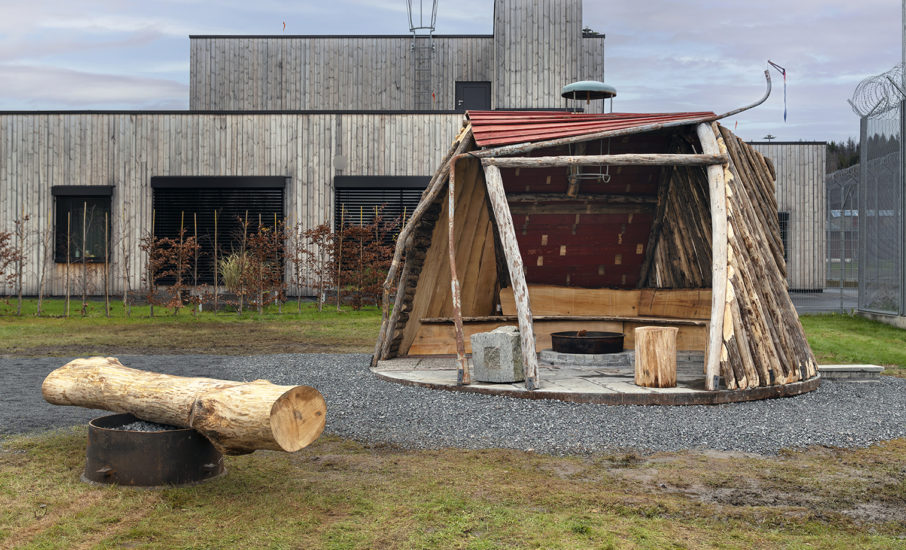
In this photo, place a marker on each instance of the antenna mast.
(421, 25)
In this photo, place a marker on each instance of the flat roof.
(325, 36)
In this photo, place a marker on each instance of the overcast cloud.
(661, 55)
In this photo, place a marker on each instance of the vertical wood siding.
(538, 48)
(38, 151)
(800, 191)
(325, 73)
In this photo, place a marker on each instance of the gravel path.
(365, 409)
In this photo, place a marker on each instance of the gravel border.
(363, 408)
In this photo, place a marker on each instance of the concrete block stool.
(497, 356)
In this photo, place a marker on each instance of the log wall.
(125, 149)
(763, 341)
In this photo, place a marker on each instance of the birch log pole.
(718, 198)
(237, 417)
(463, 376)
(504, 219)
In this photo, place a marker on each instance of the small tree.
(21, 228)
(265, 269)
(9, 259)
(318, 260)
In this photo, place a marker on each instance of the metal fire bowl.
(591, 342)
(147, 459)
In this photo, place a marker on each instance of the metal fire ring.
(148, 459)
(595, 342)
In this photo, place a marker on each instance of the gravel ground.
(360, 407)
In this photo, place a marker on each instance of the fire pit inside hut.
(587, 342)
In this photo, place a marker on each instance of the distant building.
(799, 168)
(285, 127)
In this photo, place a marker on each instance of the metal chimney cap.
(588, 89)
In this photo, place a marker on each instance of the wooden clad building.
(801, 208)
(276, 126)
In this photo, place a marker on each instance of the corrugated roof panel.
(492, 128)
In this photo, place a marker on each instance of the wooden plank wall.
(537, 47)
(475, 257)
(327, 73)
(800, 190)
(38, 151)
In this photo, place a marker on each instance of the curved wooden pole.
(717, 193)
(504, 221)
(462, 375)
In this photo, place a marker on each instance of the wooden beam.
(663, 159)
(462, 375)
(504, 221)
(548, 198)
(615, 318)
(718, 201)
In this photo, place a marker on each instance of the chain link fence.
(880, 194)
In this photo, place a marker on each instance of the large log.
(237, 417)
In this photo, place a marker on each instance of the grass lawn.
(165, 333)
(342, 494)
(848, 339)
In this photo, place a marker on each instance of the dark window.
(80, 221)
(358, 198)
(475, 96)
(187, 200)
(784, 219)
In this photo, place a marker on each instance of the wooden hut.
(558, 221)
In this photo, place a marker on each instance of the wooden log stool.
(655, 357)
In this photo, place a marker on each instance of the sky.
(661, 55)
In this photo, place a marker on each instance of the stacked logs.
(763, 341)
(681, 257)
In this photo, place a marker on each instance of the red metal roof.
(509, 127)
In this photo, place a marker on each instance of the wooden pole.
(504, 220)
(237, 417)
(216, 264)
(106, 265)
(195, 261)
(68, 256)
(462, 375)
(340, 250)
(150, 266)
(125, 261)
(20, 257)
(664, 159)
(84, 259)
(718, 198)
(260, 273)
(45, 244)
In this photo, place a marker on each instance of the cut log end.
(298, 418)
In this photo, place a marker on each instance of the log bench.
(436, 337)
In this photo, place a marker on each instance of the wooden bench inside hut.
(605, 223)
